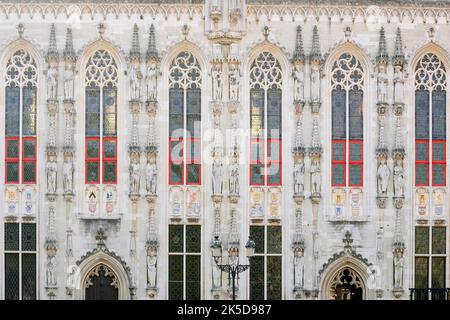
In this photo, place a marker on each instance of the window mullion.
(20, 142)
(430, 139)
(100, 140)
(184, 166)
(347, 135)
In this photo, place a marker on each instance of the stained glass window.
(421, 272)
(422, 240)
(11, 236)
(257, 278)
(439, 239)
(29, 276)
(12, 276)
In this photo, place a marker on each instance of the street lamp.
(234, 268)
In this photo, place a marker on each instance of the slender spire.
(299, 54)
(135, 51)
(315, 50)
(152, 53)
(315, 135)
(299, 134)
(52, 50)
(399, 58)
(398, 135)
(382, 56)
(69, 52)
(234, 241)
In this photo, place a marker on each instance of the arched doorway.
(101, 284)
(346, 285)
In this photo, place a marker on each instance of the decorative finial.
(431, 33)
(399, 58)
(315, 55)
(266, 32)
(315, 143)
(101, 29)
(52, 53)
(348, 33)
(100, 237)
(185, 30)
(69, 52)
(20, 29)
(299, 54)
(152, 53)
(299, 134)
(347, 241)
(135, 51)
(382, 56)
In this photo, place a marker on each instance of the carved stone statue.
(315, 176)
(69, 77)
(299, 82)
(234, 83)
(217, 83)
(383, 173)
(382, 85)
(135, 82)
(299, 177)
(135, 177)
(398, 269)
(399, 82)
(217, 176)
(315, 84)
(51, 171)
(151, 172)
(51, 268)
(399, 179)
(52, 84)
(299, 269)
(151, 270)
(68, 170)
(151, 81)
(233, 182)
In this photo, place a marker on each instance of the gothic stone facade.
(133, 137)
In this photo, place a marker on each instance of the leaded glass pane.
(92, 172)
(29, 149)
(438, 114)
(12, 148)
(176, 151)
(338, 174)
(338, 151)
(438, 151)
(176, 236)
(274, 114)
(93, 149)
(257, 150)
(193, 238)
(12, 171)
(193, 109)
(438, 237)
(421, 273)
(12, 111)
(256, 174)
(438, 174)
(339, 121)
(11, 236)
(109, 111)
(273, 174)
(421, 151)
(422, 239)
(193, 171)
(273, 278)
(29, 172)
(109, 148)
(257, 234)
(274, 239)
(438, 272)
(194, 148)
(29, 111)
(257, 112)
(193, 272)
(257, 278)
(175, 277)
(92, 111)
(28, 237)
(109, 171)
(355, 114)
(422, 114)
(28, 276)
(355, 174)
(176, 113)
(12, 276)
(421, 174)
(355, 152)
(274, 150)
(175, 173)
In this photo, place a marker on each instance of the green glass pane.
(193, 173)
(109, 149)
(93, 149)
(438, 174)
(175, 173)
(257, 278)
(422, 240)
(338, 174)
(193, 277)
(29, 172)
(109, 172)
(274, 239)
(438, 272)
(274, 174)
(421, 275)
(12, 172)
(92, 172)
(11, 276)
(11, 236)
(421, 174)
(175, 277)
(29, 148)
(29, 237)
(176, 236)
(256, 174)
(28, 277)
(193, 238)
(274, 278)
(257, 234)
(12, 149)
(438, 238)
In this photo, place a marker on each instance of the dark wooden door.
(101, 288)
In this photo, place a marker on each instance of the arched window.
(347, 121)
(265, 112)
(101, 118)
(185, 120)
(20, 167)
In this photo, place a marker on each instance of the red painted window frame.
(270, 161)
(29, 160)
(96, 159)
(439, 162)
(356, 162)
(261, 162)
(422, 162)
(181, 141)
(12, 160)
(339, 162)
(108, 160)
(189, 161)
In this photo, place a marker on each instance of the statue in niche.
(315, 83)
(398, 268)
(52, 83)
(68, 170)
(151, 172)
(315, 175)
(382, 82)
(299, 269)
(383, 173)
(135, 82)
(217, 83)
(234, 83)
(135, 177)
(399, 179)
(69, 76)
(151, 80)
(233, 183)
(151, 270)
(51, 268)
(399, 81)
(51, 171)
(299, 82)
(299, 177)
(217, 174)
